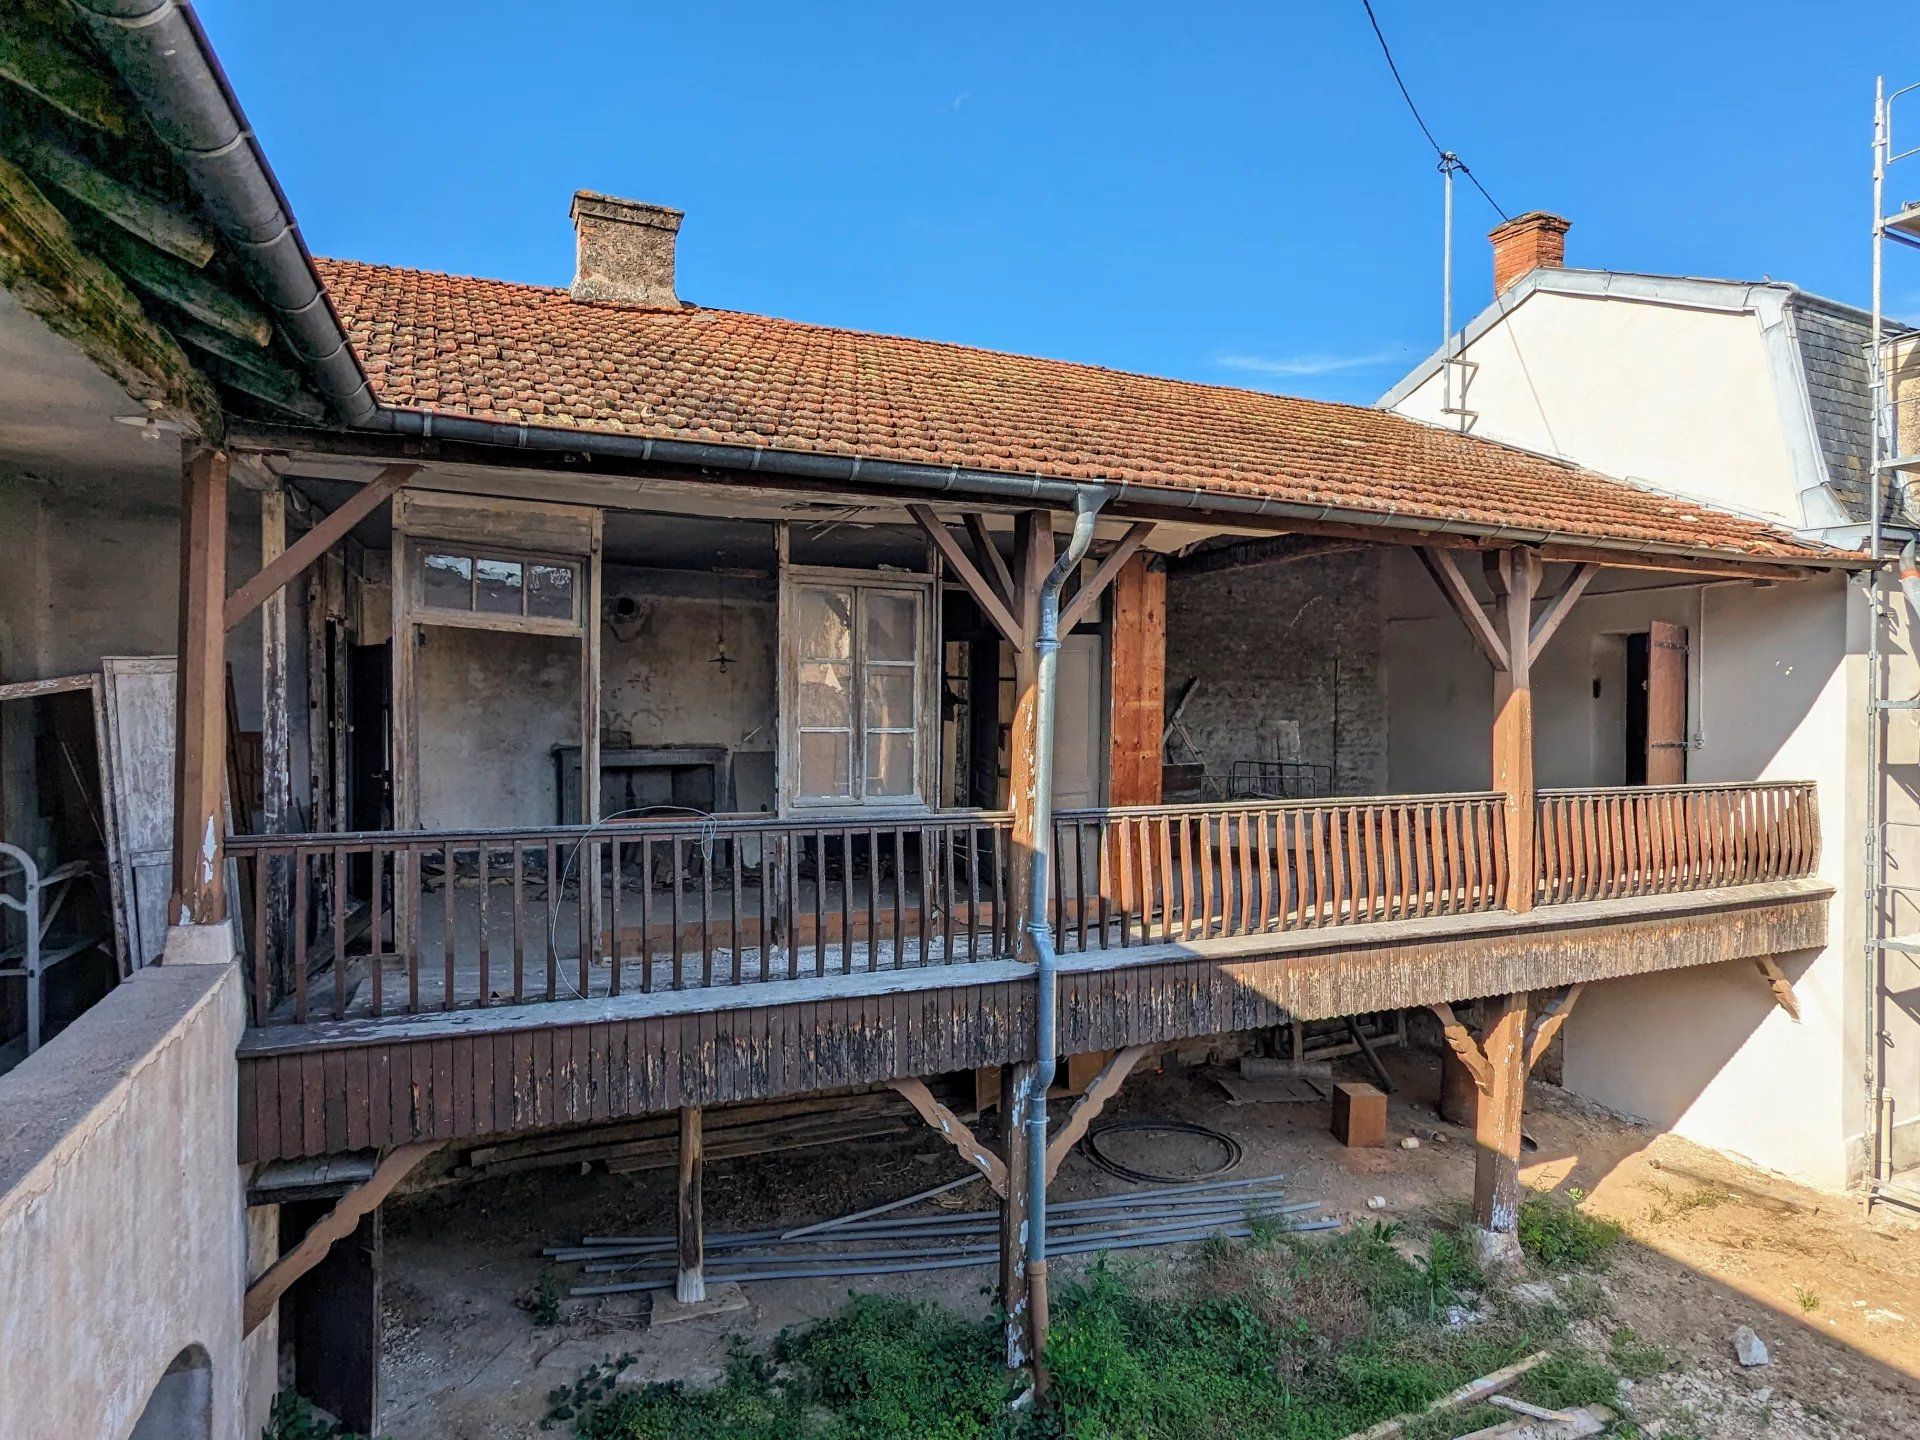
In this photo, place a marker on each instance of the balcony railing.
(399, 923)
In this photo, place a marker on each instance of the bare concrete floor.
(1711, 1245)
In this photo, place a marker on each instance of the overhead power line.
(1420, 120)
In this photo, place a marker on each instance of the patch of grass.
(1556, 1232)
(1678, 1203)
(1634, 1357)
(1807, 1298)
(1290, 1339)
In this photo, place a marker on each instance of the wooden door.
(140, 721)
(1666, 704)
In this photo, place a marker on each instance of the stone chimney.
(1534, 241)
(624, 251)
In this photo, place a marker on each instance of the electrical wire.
(1420, 120)
(1230, 1148)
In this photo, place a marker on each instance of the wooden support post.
(1515, 578)
(1016, 1092)
(1139, 643)
(1033, 557)
(1496, 1174)
(276, 744)
(200, 729)
(690, 1282)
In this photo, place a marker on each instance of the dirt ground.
(1710, 1246)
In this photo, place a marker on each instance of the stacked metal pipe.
(883, 1241)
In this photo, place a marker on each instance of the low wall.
(123, 1222)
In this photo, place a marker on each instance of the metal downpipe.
(1046, 643)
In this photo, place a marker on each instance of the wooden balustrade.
(395, 923)
(1655, 839)
(392, 923)
(1152, 874)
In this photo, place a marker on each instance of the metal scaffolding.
(1889, 467)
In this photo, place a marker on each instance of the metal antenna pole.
(1449, 162)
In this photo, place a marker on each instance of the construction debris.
(1473, 1392)
(883, 1241)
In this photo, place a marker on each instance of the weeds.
(543, 1302)
(294, 1417)
(1678, 1203)
(1556, 1232)
(1808, 1299)
(1634, 1357)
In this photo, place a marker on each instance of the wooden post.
(690, 1284)
(1139, 687)
(1033, 557)
(276, 746)
(1514, 576)
(1496, 1176)
(1016, 1090)
(200, 729)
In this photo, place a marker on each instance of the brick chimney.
(624, 251)
(1534, 241)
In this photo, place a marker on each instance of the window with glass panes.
(529, 587)
(857, 726)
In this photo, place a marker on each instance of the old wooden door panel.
(140, 720)
(1666, 704)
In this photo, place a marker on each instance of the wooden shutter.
(1666, 704)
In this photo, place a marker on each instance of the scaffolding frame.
(1886, 464)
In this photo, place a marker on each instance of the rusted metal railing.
(1151, 874)
(1600, 844)
(386, 923)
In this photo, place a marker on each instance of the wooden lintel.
(331, 528)
(263, 1294)
(1547, 1024)
(1783, 992)
(1092, 1101)
(969, 575)
(955, 1131)
(1088, 595)
(988, 554)
(1460, 1040)
(1558, 609)
(1446, 574)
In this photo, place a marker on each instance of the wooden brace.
(998, 613)
(335, 1225)
(1782, 987)
(1092, 1101)
(1548, 1022)
(330, 529)
(955, 1130)
(1461, 1040)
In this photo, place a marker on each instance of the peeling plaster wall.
(492, 706)
(1288, 661)
(123, 1223)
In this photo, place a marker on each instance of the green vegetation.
(1677, 1203)
(543, 1301)
(1808, 1298)
(295, 1418)
(1276, 1338)
(1555, 1232)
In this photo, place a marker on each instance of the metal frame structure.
(1901, 227)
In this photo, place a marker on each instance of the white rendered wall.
(1680, 399)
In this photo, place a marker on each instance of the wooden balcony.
(446, 986)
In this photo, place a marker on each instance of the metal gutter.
(961, 482)
(163, 57)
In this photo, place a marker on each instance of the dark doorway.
(1638, 650)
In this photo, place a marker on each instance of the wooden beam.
(77, 297)
(1087, 1108)
(1460, 1040)
(1558, 609)
(263, 1294)
(1515, 578)
(1547, 1025)
(330, 529)
(1088, 595)
(1445, 571)
(200, 727)
(988, 555)
(1138, 688)
(690, 1277)
(183, 287)
(1783, 992)
(42, 63)
(139, 213)
(1496, 1176)
(954, 1130)
(978, 586)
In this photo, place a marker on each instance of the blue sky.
(1229, 193)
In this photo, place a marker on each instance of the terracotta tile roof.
(528, 354)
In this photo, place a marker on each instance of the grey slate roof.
(1833, 355)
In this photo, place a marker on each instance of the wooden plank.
(328, 531)
(263, 1294)
(199, 869)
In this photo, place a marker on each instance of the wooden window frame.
(425, 612)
